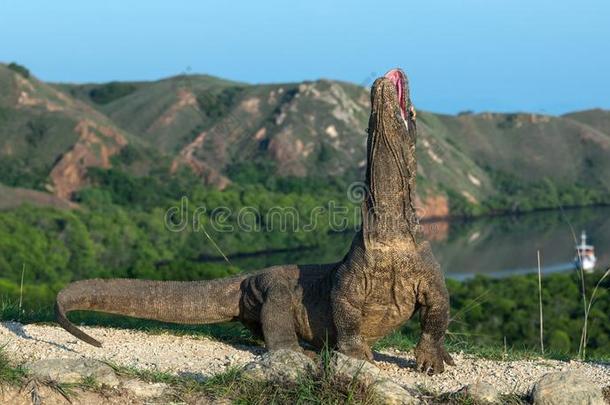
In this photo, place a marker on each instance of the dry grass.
(584, 337)
(540, 304)
(460, 398)
(322, 387)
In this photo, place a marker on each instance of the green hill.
(471, 163)
(11, 197)
(163, 112)
(228, 132)
(48, 139)
(532, 147)
(530, 154)
(596, 118)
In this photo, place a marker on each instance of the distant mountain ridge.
(48, 139)
(50, 134)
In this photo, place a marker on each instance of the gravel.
(200, 357)
(197, 357)
(508, 377)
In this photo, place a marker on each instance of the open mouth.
(398, 78)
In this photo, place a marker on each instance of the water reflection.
(497, 246)
(504, 246)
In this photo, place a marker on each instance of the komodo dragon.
(381, 282)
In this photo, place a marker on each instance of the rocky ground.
(508, 377)
(200, 358)
(190, 356)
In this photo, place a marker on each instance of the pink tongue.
(397, 77)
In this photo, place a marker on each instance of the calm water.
(498, 246)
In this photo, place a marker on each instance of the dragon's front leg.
(430, 353)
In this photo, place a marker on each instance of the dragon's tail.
(186, 302)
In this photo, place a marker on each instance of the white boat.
(585, 255)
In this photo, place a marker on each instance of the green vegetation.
(38, 128)
(486, 311)
(109, 92)
(520, 196)
(320, 388)
(120, 231)
(127, 156)
(216, 105)
(22, 70)
(9, 373)
(16, 172)
(263, 173)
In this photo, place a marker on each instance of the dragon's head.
(390, 97)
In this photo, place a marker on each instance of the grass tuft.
(68, 391)
(459, 398)
(321, 388)
(457, 344)
(10, 374)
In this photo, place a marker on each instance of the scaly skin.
(383, 280)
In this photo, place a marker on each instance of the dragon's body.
(386, 276)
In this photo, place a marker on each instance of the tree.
(22, 70)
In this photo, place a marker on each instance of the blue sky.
(483, 55)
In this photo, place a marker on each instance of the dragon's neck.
(389, 214)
